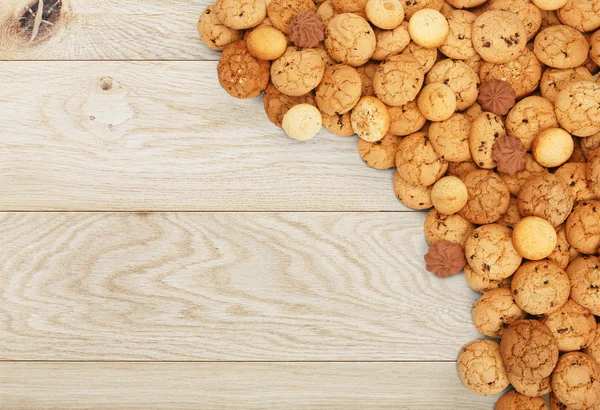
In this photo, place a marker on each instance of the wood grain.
(164, 136)
(105, 30)
(225, 286)
(273, 386)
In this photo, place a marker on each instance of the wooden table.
(162, 245)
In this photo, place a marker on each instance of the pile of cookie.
(490, 113)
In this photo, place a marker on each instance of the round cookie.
(407, 119)
(370, 119)
(267, 43)
(595, 47)
(214, 34)
(516, 182)
(577, 108)
(561, 231)
(325, 55)
(451, 228)
(589, 145)
(465, 4)
(481, 369)
(428, 28)
(578, 155)
(555, 404)
(495, 311)
(367, 72)
(489, 197)
(473, 111)
(499, 36)
(553, 147)
(326, 11)
(480, 283)
(529, 350)
(530, 117)
(413, 196)
(380, 154)
(540, 287)
(512, 215)
(277, 104)
(585, 282)
(576, 381)
(340, 125)
(490, 252)
(458, 44)
(486, 129)
(459, 77)
(339, 91)
(450, 138)
(593, 172)
(349, 39)
(549, 19)
(417, 162)
(516, 401)
(534, 238)
(549, 4)
(412, 6)
(427, 57)
(436, 102)
(449, 195)
(561, 254)
(461, 169)
(302, 122)
(391, 42)
(350, 6)
(240, 15)
(398, 80)
(573, 326)
(530, 15)
(546, 196)
(385, 14)
(554, 80)
(298, 71)
(282, 11)
(582, 15)
(561, 47)
(574, 175)
(240, 74)
(530, 388)
(583, 227)
(593, 349)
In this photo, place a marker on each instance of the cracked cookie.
(398, 80)
(481, 369)
(530, 388)
(574, 175)
(240, 74)
(489, 197)
(561, 47)
(584, 274)
(457, 75)
(458, 44)
(554, 80)
(499, 36)
(241, 14)
(540, 287)
(349, 39)
(450, 138)
(406, 119)
(417, 162)
(576, 381)
(451, 228)
(391, 42)
(516, 401)
(380, 154)
(215, 34)
(583, 227)
(578, 108)
(490, 252)
(427, 57)
(495, 311)
(530, 15)
(298, 71)
(529, 117)
(413, 196)
(582, 15)
(339, 90)
(512, 215)
(573, 326)
(281, 12)
(486, 129)
(546, 196)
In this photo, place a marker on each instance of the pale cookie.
(529, 350)
(452, 228)
(549, 4)
(585, 282)
(267, 43)
(449, 195)
(417, 162)
(465, 4)
(516, 182)
(385, 14)
(546, 196)
(578, 108)
(516, 401)
(486, 129)
(412, 6)
(450, 138)
(495, 311)
(574, 175)
(582, 15)
(213, 33)
(240, 74)
(583, 228)
(530, 388)
(340, 125)
(460, 78)
(282, 11)
(413, 196)
(576, 381)
(458, 44)
(573, 326)
(302, 122)
(593, 348)
(534, 238)
(499, 36)
(277, 104)
(529, 117)
(427, 57)
(406, 119)
(326, 11)
(561, 47)
(391, 42)
(339, 90)
(589, 145)
(461, 169)
(241, 14)
(367, 72)
(481, 284)
(436, 102)
(540, 287)
(481, 369)
(489, 197)
(370, 119)
(561, 253)
(554, 80)
(553, 147)
(398, 80)
(349, 39)
(298, 71)
(490, 252)
(428, 28)
(530, 15)
(380, 154)
(512, 215)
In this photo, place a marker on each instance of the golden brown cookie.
(457, 75)
(486, 129)
(413, 196)
(577, 108)
(339, 91)
(282, 11)
(380, 154)
(340, 125)
(398, 80)
(489, 197)
(549, 19)
(593, 172)
(512, 215)
(561, 231)
(516, 401)
(576, 381)
(461, 169)
(240, 74)
(530, 15)
(530, 388)
(367, 72)
(490, 252)
(452, 228)
(215, 34)
(499, 36)
(529, 117)
(450, 138)
(350, 6)
(582, 15)
(480, 283)
(516, 182)
(298, 71)
(370, 119)
(349, 39)
(427, 57)
(555, 404)
(458, 44)
(277, 104)
(437, 102)
(495, 311)
(554, 80)
(546, 196)
(589, 145)
(540, 287)
(561, 255)
(549, 4)
(391, 42)
(593, 349)
(534, 238)
(561, 47)
(412, 6)
(573, 326)
(406, 119)
(585, 282)
(553, 147)
(326, 11)
(240, 15)
(583, 227)
(595, 47)
(481, 369)
(449, 195)
(417, 162)
(465, 4)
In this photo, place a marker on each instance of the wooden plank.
(31, 386)
(104, 30)
(164, 136)
(225, 286)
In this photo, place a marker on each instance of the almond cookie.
(490, 252)
(529, 117)
(449, 195)
(573, 326)
(367, 72)
(530, 388)
(486, 129)
(489, 197)
(553, 147)
(427, 57)
(436, 102)
(282, 11)
(516, 182)
(481, 369)
(499, 36)
(554, 80)
(428, 28)
(451, 228)
(540, 287)
(458, 44)
(298, 71)
(546, 196)
(561, 255)
(461, 169)
(516, 401)
(240, 74)
(406, 119)
(530, 15)
(561, 47)
(450, 138)
(593, 349)
(380, 154)
(391, 42)
(417, 161)
(578, 108)
(267, 43)
(574, 175)
(412, 6)
(213, 33)
(481, 284)
(512, 215)
(583, 228)
(385, 14)
(370, 119)
(460, 78)
(302, 122)
(529, 350)
(349, 39)
(495, 311)
(534, 238)
(398, 80)
(413, 196)
(585, 282)
(582, 15)
(277, 104)
(240, 15)
(339, 90)
(576, 381)
(340, 125)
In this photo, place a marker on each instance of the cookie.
(583, 227)
(516, 401)
(458, 44)
(340, 125)
(546, 196)
(574, 175)
(561, 255)
(427, 57)
(406, 119)
(450, 138)
(593, 349)
(561, 231)
(451, 228)
(417, 162)
(213, 33)
(486, 129)
(380, 154)
(412, 6)
(349, 39)
(553, 147)
(436, 102)
(267, 43)
(554, 80)
(495, 311)
(302, 122)
(573, 326)
(473, 111)
(549, 19)
(391, 42)
(516, 182)
(459, 77)
(530, 117)
(582, 15)
(540, 287)
(555, 404)
(277, 104)
(428, 28)
(489, 197)
(326, 11)
(585, 282)
(595, 47)
(398, 80)
(339, 91)
(549, 4)
(370, 119)
(499, 36)
(490, 252)
(240, 15)
(461, 169)
(576, 381)
(465, 4)
(593, 172)
(367, 72)
(528, 387)
(534, 238)
(241, 74)
(578, 155)
(589, 145)
(480, 367)
(577, 108)
(282, 11)
(413, 196)
(530, 15)
(512, 215)
(449, 195)
(298, 71)
(350, 6)
(561, 47)
(480, 283)
(385, 14)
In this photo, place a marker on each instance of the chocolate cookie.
(499, 36)
(487, 128)
(490, 252)
(540, 287)
(546, 196)
(489, 197)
